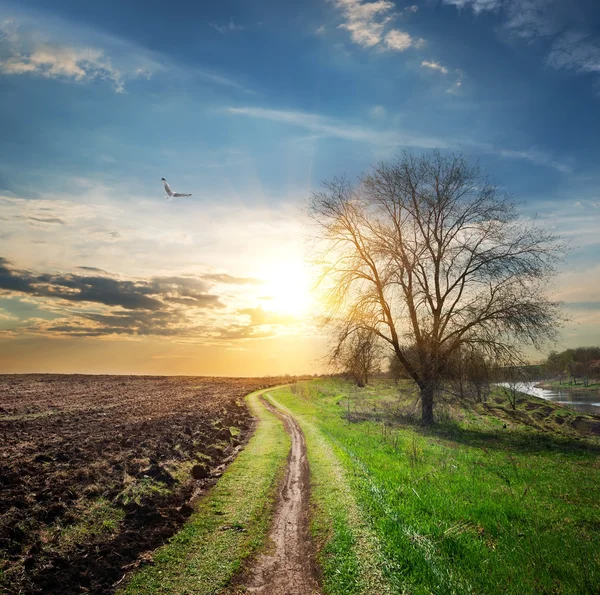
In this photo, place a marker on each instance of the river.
(585, 401)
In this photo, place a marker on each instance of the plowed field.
(97, 471)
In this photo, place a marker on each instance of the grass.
(568, 385)
(347, 548)
(230, 523)
(100, 519)
(467, 506)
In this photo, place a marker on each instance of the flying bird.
(170, 192)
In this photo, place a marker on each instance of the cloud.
(575, 51)
(434, 66)
(231, 280)
(455, 88)
(26, 50)
(534, 156)
(338, 129)
(259, 317)
(131, 295)
(367, 21)
(477, 5)
(182, 306)
(571, 45)
(67, 62)
(398, 40)
(229, 27)
(37, 45)
(391, 139)
(377, 111)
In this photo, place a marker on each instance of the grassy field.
(230, 523)
(488, 501)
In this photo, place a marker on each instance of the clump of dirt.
(96, 471)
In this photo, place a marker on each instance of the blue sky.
(249, 105)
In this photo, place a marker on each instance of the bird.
(170, 192)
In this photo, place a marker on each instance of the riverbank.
(564, 385)
(482, 502)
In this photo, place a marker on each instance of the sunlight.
(288, 287)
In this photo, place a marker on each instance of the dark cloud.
(150, 294)
(12, 279)
(155, 306)
(92, 269)
(45, 220)
(101, 290)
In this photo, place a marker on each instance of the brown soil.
(68, 441)
(288, 568)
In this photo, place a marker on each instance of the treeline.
(363, 360)
(581, 364)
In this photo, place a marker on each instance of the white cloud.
(456, 87)
(533, 155)
(336, 128)
(571, 46)
(56, 62)
(390, 139)
(377, 111)
(229, 27)
(575, 51)
(27, 48)
(32, 44)
(367, 21)
(398, 40)
(477, 5)
(434, 66)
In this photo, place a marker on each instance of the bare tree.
(512, 377)
(358, 355)
(425, 253)
(468, 374)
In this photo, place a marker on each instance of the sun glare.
(288, 288)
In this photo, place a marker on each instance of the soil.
(288, 568)
(69, 441)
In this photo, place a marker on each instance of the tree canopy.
(429, 256)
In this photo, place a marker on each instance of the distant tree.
(427, 255)
(575, 363)
(396, 370)
(595, 369)
(513, 377)
(475, 375)
(359, 356)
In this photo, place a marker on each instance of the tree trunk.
(427, 393)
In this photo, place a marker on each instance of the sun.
(288, 288)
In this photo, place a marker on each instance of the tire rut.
(290, 568)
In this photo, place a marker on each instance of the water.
(587, 401)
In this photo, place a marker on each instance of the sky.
(249, 106)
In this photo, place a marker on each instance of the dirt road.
(289, 569)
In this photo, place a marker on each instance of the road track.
(288, 568)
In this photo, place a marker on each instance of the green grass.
(97, 521)
(347, 548)
(231, 522)
(568, 385)
(467, 506)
